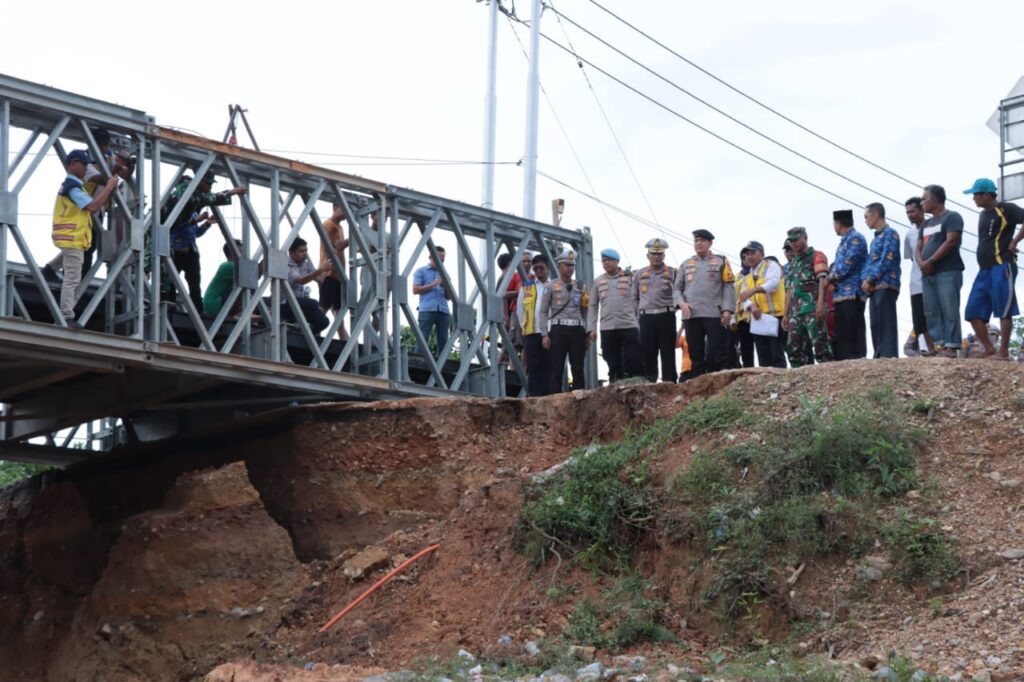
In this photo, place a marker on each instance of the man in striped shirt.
(993, 290)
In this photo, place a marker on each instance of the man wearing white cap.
(562, 321)
(994, 290)
(611, 301)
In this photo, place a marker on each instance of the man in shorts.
(993, 290)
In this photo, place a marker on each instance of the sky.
(904, 84)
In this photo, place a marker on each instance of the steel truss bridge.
(148, 366)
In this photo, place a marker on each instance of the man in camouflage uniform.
(611, 301)
(705, 290)
(652, 295)
(562, 321)
(806, 307)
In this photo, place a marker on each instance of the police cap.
(656, 245)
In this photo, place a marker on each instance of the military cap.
(795, 233)
(703, 234)
(611, 254)
(656, 245)
(210, 177)
(787, 245)
(752, 246)
(567, 256)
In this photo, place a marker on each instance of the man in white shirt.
(915, 213)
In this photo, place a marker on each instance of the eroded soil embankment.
(163, 567)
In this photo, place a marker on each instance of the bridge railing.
(133, 288)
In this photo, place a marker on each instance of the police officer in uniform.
(611, 300)
(705, 291)
(652, 292)
(562, 321)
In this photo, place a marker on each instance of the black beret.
(703, 234)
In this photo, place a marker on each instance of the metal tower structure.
(151, 362)
(1011, 146)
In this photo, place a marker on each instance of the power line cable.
(720, 111)
(565, 133)
(604, 115)
(629, 214)
(387, 158)
(710, 132)
(758, 102)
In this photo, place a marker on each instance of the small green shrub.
(812, 488)
(922, 550)
(598, 506)
(635, 617)
(12, 472)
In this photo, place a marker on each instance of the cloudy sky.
(907, 85)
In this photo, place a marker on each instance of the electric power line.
(389, 158)
(565, 133)
(722, 112)
(629, 214)
(758, 102)
(607, 120)
(708, 131)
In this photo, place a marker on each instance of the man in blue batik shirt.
(846, 276)
(882, 282)
(433, 313)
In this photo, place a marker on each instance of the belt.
(568, 323)
(657, 311)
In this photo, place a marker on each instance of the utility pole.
(532, 92)
(490, 106)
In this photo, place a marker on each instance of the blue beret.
(610, 253)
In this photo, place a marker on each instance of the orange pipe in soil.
(359, 600)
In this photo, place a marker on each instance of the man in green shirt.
(223, 281)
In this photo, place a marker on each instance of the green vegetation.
(12, 472)
(821, 482)
(409, 342)
(597, 507)
(810, 487)
(625, 615)
(922, 551)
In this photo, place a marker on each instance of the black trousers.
(883, 323)
(851, 337)
(706, 338)
(571, 342)
(621, 350)
(658, 337)
(188, 262)
(310, 309)
(747, 343)
(538, 373)
(771, 350)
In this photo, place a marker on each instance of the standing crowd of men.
(795, 313)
